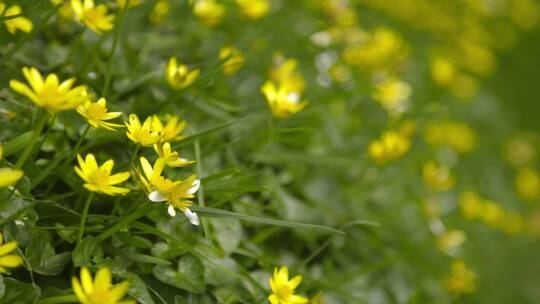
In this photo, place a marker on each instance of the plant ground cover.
(269, 151)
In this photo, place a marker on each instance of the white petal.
(171, 211)
(192, 216)
(194, 187)
(156, 196)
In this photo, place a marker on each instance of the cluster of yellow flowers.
(392, 144)
(474, 207)
(211, 12)
(521, 152)
(437, 177)
(460, 279)
(393, 95)
(283, 91)
(453, 134)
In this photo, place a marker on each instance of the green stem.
(200, 192)
(35, 135)
(80, 141)
(118, 30)
(84, 215)
(134, 156)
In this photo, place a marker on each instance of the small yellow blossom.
(492, 214)
(176, 194)
(49, 93)
(437, 177)
(471, 205)
(100, 289)
(282, 102)
(210, 12)
(512, 222)
(464, 86)
(178, 75)
(443, 71)
(391, 146)
(16, 23)
(254, 9)
(170, 157)
(454, 134)
(393, 95)
(65, 11)
(283, 288)
(450, 240)
(461, 279)
(528, 184)
(8, 260)
(132, 3)
(94, 17)
(160, 11)
(521, 150)
(99, 179)
(172, 130)
(96, 114)
(284, 71)
(234, 59)
(144, 135)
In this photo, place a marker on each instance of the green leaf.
(17, 144)
(11, 206)
(228, 234)
(137, 289)
(82, 253)
(188, 276)
(19, 292)
(41, 257)
(212, 212)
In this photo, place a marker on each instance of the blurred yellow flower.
(65, 11)
(254, 9)
(145, 134)
(512, 223)
(16, 23)
(160, 11)
(437, 177)
(178, 75)
(454, 134)
(391, 146)
(8, 260)
(464, 86)
(393, 95)
(282, 102)
(525, 13)
(94, 17)
(492, 214)
(283, 288)
(284, 71)
(176, 194)
(528, 184)
(461, 279)
(99, 179)
(210, 12)
(443, 71)
(132, 3)
(172, 130)
(233, 59)
(450, 240)
(471, 205)
(96, 114)
(521, 150)
(49, 93)
(100, 289)
(170, 157)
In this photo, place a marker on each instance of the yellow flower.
(254, 9)
(442, 71)
(171, 130)
(99, 179)
(283, 288)
(234, 59)
(450, 240)
(96, 114)
(8, 260)
(471, 205)
(393, 95)
(99, 290)
(528, 184)
(209, 12)
(521, 150)
(284, 71)
(94, 17)
(145, 134)
(49, 93)
(176, 194)
(461, 279)
(456, 135)
(64, 11)
(464, 86)
(171, 158)
(282, 102)
(438, 177)
(391, 146)
(178, 75)
(160, 11)
(492, 215)
(132, 3)
(17, 23)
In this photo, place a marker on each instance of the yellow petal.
(86, 280)
(9, 177)
(103, 279)
(7, 248)
(11, 260)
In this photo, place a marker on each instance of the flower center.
(95, 112)
(100, 297)
(284, 291)
(99, 177)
